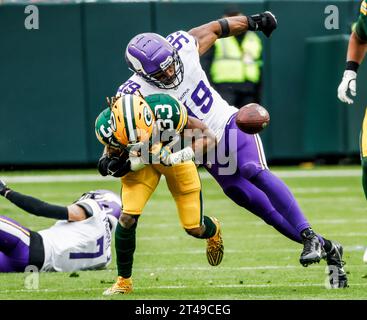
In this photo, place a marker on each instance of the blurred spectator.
(234, 66)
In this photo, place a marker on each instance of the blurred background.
(54, 80)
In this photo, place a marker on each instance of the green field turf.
(259, 263)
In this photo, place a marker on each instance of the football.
(252, 118)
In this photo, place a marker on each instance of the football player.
(172, 65)
(356, 52)
(80, 240)
(131, 123)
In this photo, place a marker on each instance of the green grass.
(259, 263)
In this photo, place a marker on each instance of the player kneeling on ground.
(80, 241)
(136, 124)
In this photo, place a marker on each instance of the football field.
(258, 263)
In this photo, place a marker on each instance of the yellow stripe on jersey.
(15, 226)
(364, 136)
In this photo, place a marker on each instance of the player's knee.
(250, 170)
(127, 220)
(196, 232)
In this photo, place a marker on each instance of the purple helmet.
(106, 199)
(149, 55)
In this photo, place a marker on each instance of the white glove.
(136, 163)
(183, 155)
(348, 83)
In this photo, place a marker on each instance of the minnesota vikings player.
(172, 65)
(81, 240)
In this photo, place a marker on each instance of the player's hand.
(3, 188)
(265, 22)
(118, 167)
(348, 83)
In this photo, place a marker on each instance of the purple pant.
(240, 168)
(14, 246)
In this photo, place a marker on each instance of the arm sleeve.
(37, 207)
(361, 27)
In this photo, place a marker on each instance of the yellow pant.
(183, 182)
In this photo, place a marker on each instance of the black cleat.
(312, 250)
(337, 276)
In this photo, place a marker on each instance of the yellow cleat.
(122, 286)
(214, 247)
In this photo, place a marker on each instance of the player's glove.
(3, 188)
(348, 83)
(118, 167)
(265, 22)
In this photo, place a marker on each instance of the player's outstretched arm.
(41, 208)
(208, 33)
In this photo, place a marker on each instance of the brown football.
(252, 118)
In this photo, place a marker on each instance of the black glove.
(103, 164)
(118, 167)
(265, 22)
(3, 188)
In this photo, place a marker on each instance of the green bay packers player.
(356, 52)
(136, 123)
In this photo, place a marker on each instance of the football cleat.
(121, 286)
(312, 250)
(337, 276)
(214, 246)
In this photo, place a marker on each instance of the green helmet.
(104, 131)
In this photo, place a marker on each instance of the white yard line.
(324, 173)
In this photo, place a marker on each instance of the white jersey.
(195, 91)
(80, 245)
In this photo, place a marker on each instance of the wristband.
(352, 65)
(184, 155)
(224, 27)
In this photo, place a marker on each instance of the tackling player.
(81, 240)
(356, 52)
(129, 126)
(172, 65)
